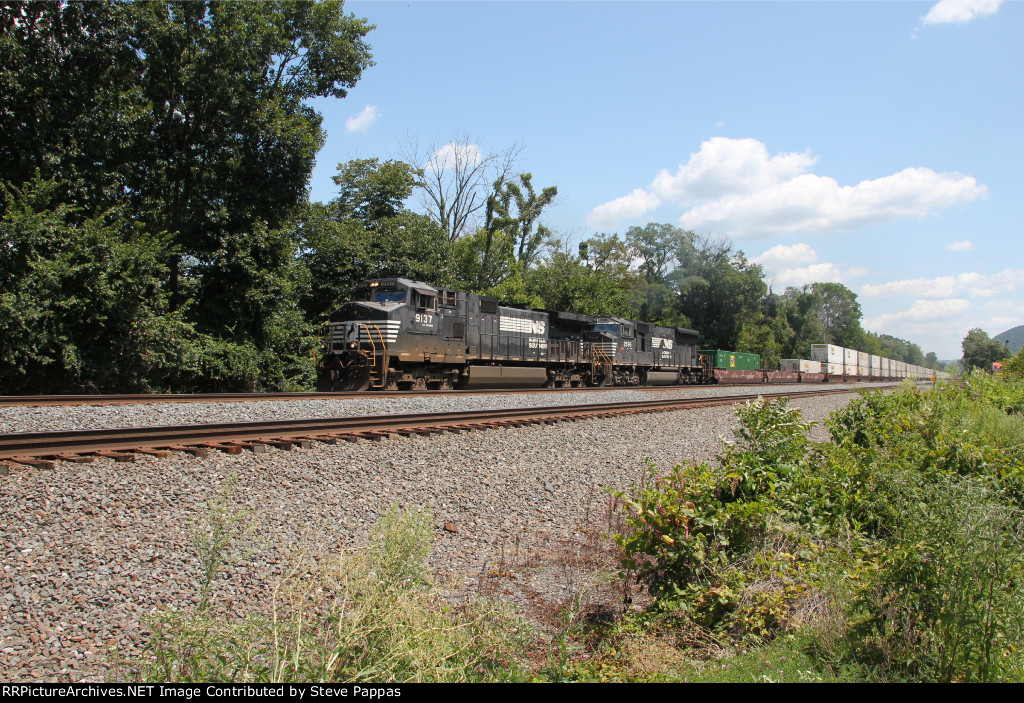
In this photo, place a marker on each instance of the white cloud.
(454, 156)
(815, 273)
(627, 207)
(781, 255)
(734, 186)
(972, 284)
(921, 311)
(960, 11)
(819, 204)
(960, 246)
(783, 267)
(362, 121)
(725, 167)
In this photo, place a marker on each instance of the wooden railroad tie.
(197, 452)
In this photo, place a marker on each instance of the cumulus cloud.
(819, 204)
(728, 166)
(782, 256)
(972, 284)
(627, 207)
(454, 156)
(735, 186)
(960, 11)
(783, 264)
(960, 246)
(921, 311)
(362, 121)
(815, 273)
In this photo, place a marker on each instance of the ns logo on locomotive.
(402, 334)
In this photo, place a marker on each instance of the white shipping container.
(801, 365)
(864, 359)
(835, 369)
(851, 369)
(876, 362)
(850, 357)
(864, 371)
(827, 353)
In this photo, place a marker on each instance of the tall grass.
(369, 614)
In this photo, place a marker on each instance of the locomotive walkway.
(40, 449)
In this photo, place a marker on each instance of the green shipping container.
(731, 360)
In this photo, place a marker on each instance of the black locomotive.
(402, 334)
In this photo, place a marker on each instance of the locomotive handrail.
(382, 373)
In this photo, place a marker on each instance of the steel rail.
(143, 398)
(18, 445)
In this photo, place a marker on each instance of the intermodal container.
(850, 357)
(801, 365)
(827, 353)
(741, 361)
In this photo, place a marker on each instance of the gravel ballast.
(90, 549)
(80, 417)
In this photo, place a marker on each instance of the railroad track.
(41, 449)
(140, 398)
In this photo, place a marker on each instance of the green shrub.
(947, 600)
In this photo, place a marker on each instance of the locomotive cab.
(361, 331)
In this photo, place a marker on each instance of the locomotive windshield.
(377, 295)
(389, 296)
(610, 328)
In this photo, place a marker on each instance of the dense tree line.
(156, 234)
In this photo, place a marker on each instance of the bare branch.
(456, 178)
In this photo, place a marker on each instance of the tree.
(81, 305)
(718, 289)
(193, 118)
(840, 314)
(71, 106)
(565, 282)
(456, 178)
(980, 351)
(510, 234)
(371, 191)
(799, 308)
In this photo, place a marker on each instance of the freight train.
(401, 334)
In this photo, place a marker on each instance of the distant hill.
(1015, 337)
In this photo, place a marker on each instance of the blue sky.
(872, 143)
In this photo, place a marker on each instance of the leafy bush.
(703, 539)
(898, 545)
(946, 602)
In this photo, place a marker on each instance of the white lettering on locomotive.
(522, 325)
(424, 319)
(661, 343)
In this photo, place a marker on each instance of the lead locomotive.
(398, 333)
